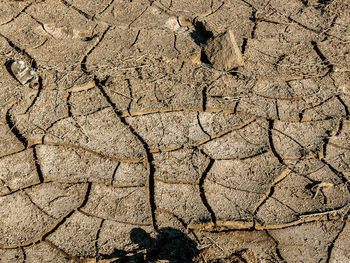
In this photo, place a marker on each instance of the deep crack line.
(272, 146)
(331, 246)
(149, 157)
(69, 214)
(277, 249)
(55, 225)
(84, 14)
(98, 237)
(340, 175)
(22, 51)
(106, 7)
(320, 54)
(12, 126)
(98, 41)
(16, 16)
(37, 165)
(202, 192)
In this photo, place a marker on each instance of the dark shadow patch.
(170, 245)
(244, 45)
(87, 39)
(200, 35)
(8, 68)
(234, 72)
(204, 58)
(325, 2)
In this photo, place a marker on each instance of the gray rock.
(23, 73)
(223, 52)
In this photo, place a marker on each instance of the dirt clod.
(223, 52)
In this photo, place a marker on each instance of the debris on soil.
(23, 73)
(223, 52)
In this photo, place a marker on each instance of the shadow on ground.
(170, 244)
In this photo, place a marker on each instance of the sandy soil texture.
(141, 143)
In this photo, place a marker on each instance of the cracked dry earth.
(134, 149)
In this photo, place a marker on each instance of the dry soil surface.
(134, 148)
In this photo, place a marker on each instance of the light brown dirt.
(134, 148)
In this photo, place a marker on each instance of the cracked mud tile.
(11, 10)
(297, 197)
(86, 102)
(216, 123)
(278, 28)
(115, 239)
(77, 235)
(341, 80)
(283, 61)
(92, 8)
(56, 199)
(186, 165)
(307, 242)
(153, 17)
(193, 8)
(340, 251)
(296, 140)
(327, 187)
(121, 204)
(290, 110)
(227, 14)
(49, 107)
(306, 99)
(70, 164)
(286, 90)
(121, 58)
(169, 93)
(22, 222)
(338, 157)
(170, 129)
(61, 22)
(339, 28)
(304, 166)
(259, 106)
(9, 143)
(343, 138)
(288, 8)
(162, 45)
(122, 13)
(118, 91)
(331, 108)
(17, 171)
(295, 23)
(183, 200)
(234, 187)
(253, 246)
(224, 91)
(313, 91)
(22, 98)
(312, 17)
(101, 132)
(17, 34)
(131, 44)
(11, 255)
(244, 142)
(64, 38)
(42, 252)
(130, 174)
(332, 49)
